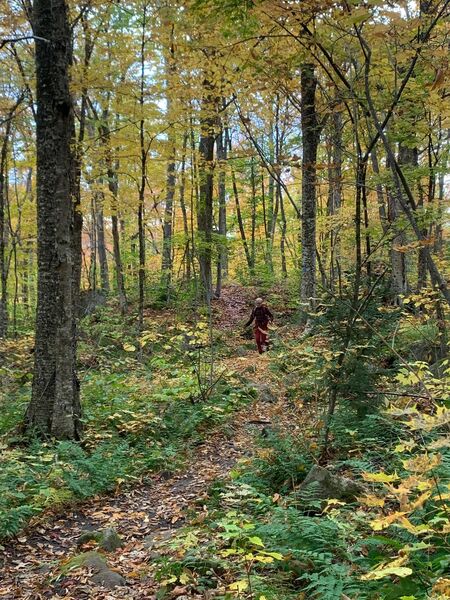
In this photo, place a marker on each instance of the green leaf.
(256, 541)
(239, 586)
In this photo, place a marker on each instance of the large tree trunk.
(310, 135)
(54, 408)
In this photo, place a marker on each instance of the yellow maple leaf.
(380, 477)
(371, 500)
(380, 524)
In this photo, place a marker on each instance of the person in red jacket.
(262, 316)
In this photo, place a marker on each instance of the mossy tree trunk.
(55, 406)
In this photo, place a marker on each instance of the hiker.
(261, 315)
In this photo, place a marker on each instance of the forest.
(224, 299)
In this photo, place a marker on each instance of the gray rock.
(320, 484)
(108, 579)
(110, 540)
(291, 380)
(241, 351)
(87, 536)
(264, 393)
(93, 560)
(102, 573)
(157, 539)
(107, 539)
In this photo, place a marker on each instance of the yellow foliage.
(380, 477)
(385, 522)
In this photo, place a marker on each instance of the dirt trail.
(151, 510)
(234, 305)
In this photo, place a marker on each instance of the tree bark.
(222, 156)
(334, 199)
(380, 195)
(143, 181)
(241, 222)
(284, 272)
(101, 244)
(399, 278)
(3, 261)
(205, 200)
(310, 135)
(54, 408)
(113, 186)
(166, 263)
(399, 281)
(253, 226)
(187, 257)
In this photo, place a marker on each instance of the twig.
(400, 394)
(5, 41)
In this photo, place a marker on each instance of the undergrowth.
(260, 536)
(144, 404)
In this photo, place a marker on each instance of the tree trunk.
(92, 273)
(142, 185)
(407, 203)
(166, 266)
(284, 272)
(334, 199)
(113, 186)
(310, 136)
(54, 408)
(253, 228)
(241, 222)
(187, 257)
(439, 242)
(205, 200)
(166, 263)
(3, 260)
(399, 281)
(384, 221)
(222, 155)
(101, 244)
